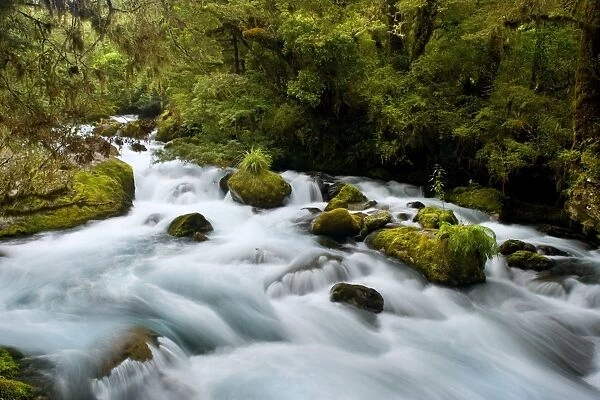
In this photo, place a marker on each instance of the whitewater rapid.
(246, 315)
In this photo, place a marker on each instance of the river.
(246, 315)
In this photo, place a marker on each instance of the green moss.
(15, 390)
(513, 245)
(337, 223)
(349, 194)
(528, 260)
(103, 191)
(138, 129)
(376, 221)
(8, 367)
(265, 189)
(169, 126)
(107, 128)
(484, 199)
(188, 225)
(428, 253)
(583, 206)
(432, 217)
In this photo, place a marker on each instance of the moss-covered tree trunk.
(397, 45)
(424, 27)
(586, 117)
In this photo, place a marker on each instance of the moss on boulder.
(107, 127)
(511, 246)
(10, 388)
(189, 225)
(338, 223)
(528, 260)
(485, 199)
(265, 189)
(169, 126)
(104, 190)
(8, 367)
(431, 217)
(376, 221)
(359, 296)
(583, 207)
(138, 129)
(429, 253)
(347, 196)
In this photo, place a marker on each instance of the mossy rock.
(428, 253)
(169, 126)
(432, 217)
(338, 223)
(15, 390)
(346, 197)
(133, 344)
(485, 199)
(583, 207)
(528, 260)
(107, 128)
(8, 366)
(376, 221)
(188, 225)
(362, 297)
(138, 129)
(265, 189)
(102, 191)
(513, 245)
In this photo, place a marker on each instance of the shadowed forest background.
(496, 93)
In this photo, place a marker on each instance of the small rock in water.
(415, 204)
(513, 245)
(138, 147)
(359, 296)
(528, 260)
(403, 216)
(223, 182)
(551, 251)
(189, 225)
(133, 344)
(200, 237)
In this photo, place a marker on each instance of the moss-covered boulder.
(528, 260)
(169, 126)
(432, 217)
(10, 387)
(138, 147)
(511, 246)
(98, 192)
(485, 199)
(429, 253)
(359, 296)
(189, 225)
(375, 221)
(338, 223)
(264, 189)
(107, 127)
(138, 129)
(133, 344)
(347, 196)
(583, 207)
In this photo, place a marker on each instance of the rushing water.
(247, 315)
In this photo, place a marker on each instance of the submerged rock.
(376, 221)
(485, 199)
(359, 296)
(349, 197)
(528, 260)
(188, 225)
(429, 253)
(133, 344)
(551, 251)
(511, 246)
(264, 190)
(415, 204)
(102, 191)
(338, 223)
(432, 217)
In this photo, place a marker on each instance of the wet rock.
(359, 296)
(264, 190)
(199, 237)
(511, 246)
(138, 147)
(329, 242)
(403, 216)
(223, 182)
(551, 251)
(528, 260)
(415, 204)
(338, 223)
(328, 185)
(139, 129)
(188, 225)
(428, 253)
(107, 128)
(133, 344)
(375, 221)
(432, 217)
(349, 197)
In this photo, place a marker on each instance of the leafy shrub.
(469, 239)
(255, 161)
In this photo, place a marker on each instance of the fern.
(464, 240)
(255, 161)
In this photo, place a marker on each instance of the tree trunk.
(236, 52)
(398, 50)
(586, 116)
(424, 27)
